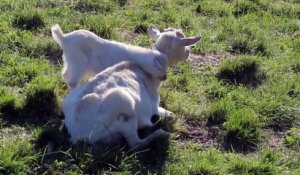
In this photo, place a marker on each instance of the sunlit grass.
(256, 89)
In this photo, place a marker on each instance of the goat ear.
(180, 34)
(189, 41)
(153, 32)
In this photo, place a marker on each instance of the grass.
(240, 105)
(292, 138)
(242, 129)
(41, 99)
(29, 20)
(16, 156)
(218, 112)
(8, 102)
(244, 70)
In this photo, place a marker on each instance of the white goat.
(84, 53)
(116, 102)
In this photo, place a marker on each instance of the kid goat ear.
(153, 32)
(189, 41)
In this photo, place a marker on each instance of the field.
(236, 99)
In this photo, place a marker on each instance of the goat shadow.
(53, 142)
(41, 110)
(101, 158)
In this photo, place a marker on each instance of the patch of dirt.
(13, 132)
(274, 139)
(212, 59)
(129, 36)
(199, 132)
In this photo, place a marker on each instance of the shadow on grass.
(234, 144)
(30, 20)
(243, 71)
(24, 117)
(93, 159)
(40, 109)
(57, 154)
(39, 106)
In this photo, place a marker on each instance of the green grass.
(243, 102)
(16, 156)
(8, 102)
(219, 111)
(28, 20)
(242, 128)
(41, 99)
(292, 138)
(244, 70)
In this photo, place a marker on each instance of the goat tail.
(57, 34)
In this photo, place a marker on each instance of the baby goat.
(84, 53)
(116, 102)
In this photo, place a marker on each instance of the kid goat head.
(172, 42)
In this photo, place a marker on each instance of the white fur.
(84, 53)
(117, 101)
(172, 42)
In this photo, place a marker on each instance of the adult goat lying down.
(84, 53)
(116, 102)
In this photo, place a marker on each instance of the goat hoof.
(169, 114)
